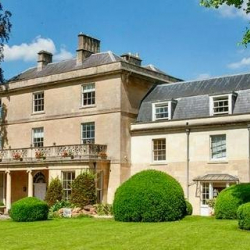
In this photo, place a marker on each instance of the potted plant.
(102, 155)
(17, 156)
(67, 153)
(40, 155)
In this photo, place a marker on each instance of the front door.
(40, 190)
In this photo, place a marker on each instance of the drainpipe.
(248, 127)
(188, 133)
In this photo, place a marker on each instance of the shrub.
(103, 209)
(29, 209)
(83, 190)
(54, 192)
(149, 196)
(189, 208)
(230, 199)
(243, 215)
(60, 204)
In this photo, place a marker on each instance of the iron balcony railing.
(62, 152)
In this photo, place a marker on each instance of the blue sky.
(178, 36)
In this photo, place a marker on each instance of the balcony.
(80, 152)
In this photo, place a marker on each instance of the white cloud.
(203, 76)
(241, 64)
(28, 52)
(232, 12)
(63, 55)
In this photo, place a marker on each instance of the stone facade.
(119, 87)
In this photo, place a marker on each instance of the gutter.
(248, 128)
(188, 160)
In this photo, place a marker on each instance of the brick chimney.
(133, 59)
(86, 47)
(44, 58)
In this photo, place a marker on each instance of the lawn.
(87, 233)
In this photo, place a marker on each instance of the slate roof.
(193, 96)
(70, 65)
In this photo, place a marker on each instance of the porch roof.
(217, 177)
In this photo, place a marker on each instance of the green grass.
(87, 234)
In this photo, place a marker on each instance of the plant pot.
(72, 156)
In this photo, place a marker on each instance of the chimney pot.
(86, 47)
(44, 58)
(133, 59)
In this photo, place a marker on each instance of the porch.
(26, 172)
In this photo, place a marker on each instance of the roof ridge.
(111, 56)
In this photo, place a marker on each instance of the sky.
(179, 37)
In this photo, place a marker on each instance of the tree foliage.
(239, 4)
(5, 28)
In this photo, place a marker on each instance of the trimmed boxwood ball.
(229, 200)
(29, 209)
(149, 196)
(189, 208)
(243, 215)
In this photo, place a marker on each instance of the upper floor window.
(88, 133)
(88, 94)
(38, 102)
(163, 110)
(159, 149)
(222, 104)
(218, 147)
(38, 137)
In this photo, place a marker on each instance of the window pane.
(159, 150)
(88, 133)
(161, 111)
(218, 146)
(38, 102)
(88, 94)
(38, 137)
(67, 179)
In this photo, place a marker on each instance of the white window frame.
(230, 100)
(33, 137)
(211, 151)
(34, 100)
(153, 151)
(85, 139)
(88, 91)
(162, 104)
(66, 189)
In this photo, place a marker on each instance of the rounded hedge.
(229, 200)
(189, 208)
(29, 209)
(149, 196)
(243, 215)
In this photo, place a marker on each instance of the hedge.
(243, 215)
(229, 200)
(29, 209)
(189, 208)
(150, 196)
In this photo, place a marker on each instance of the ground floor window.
(67, 179)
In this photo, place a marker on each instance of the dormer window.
(163, 110)
(222, 104)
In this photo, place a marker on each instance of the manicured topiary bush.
(29, 209)
(243, 215)
(230, 199)
(54, 192)
(189, 208)
(149, 196)
(83, 190)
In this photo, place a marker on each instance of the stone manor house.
(111, 115)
